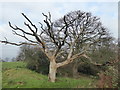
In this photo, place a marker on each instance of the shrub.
(36, 59)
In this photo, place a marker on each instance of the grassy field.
(16, 75)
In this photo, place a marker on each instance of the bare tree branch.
(14, 32)
(30, 22)
(34, 32)
(17, 28)
(17, 44)
(70, 60)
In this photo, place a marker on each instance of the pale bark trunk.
(53, 65)
(52, 71)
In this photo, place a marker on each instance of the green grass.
(15, 75)
(7, 65)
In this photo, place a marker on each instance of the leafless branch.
(17, 44)
(30, 22)
(17, 28)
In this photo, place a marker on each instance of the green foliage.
(35, 59)
(89, 69)
(65, 71)
(113, 72)
(15, 77)
(102, 55)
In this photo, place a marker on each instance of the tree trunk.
(75, 69)
(52, 71)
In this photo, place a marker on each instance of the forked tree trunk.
(52, 71)
(53, 66)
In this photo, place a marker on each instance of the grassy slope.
(15, 75)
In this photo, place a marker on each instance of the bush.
(113, 72)
(36, 59)
(89, 69)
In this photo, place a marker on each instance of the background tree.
(90, 33)
(35, 59)
(61, 36)
(100, 55)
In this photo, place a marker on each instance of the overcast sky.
(107, 11)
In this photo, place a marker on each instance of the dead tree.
(61, 36)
